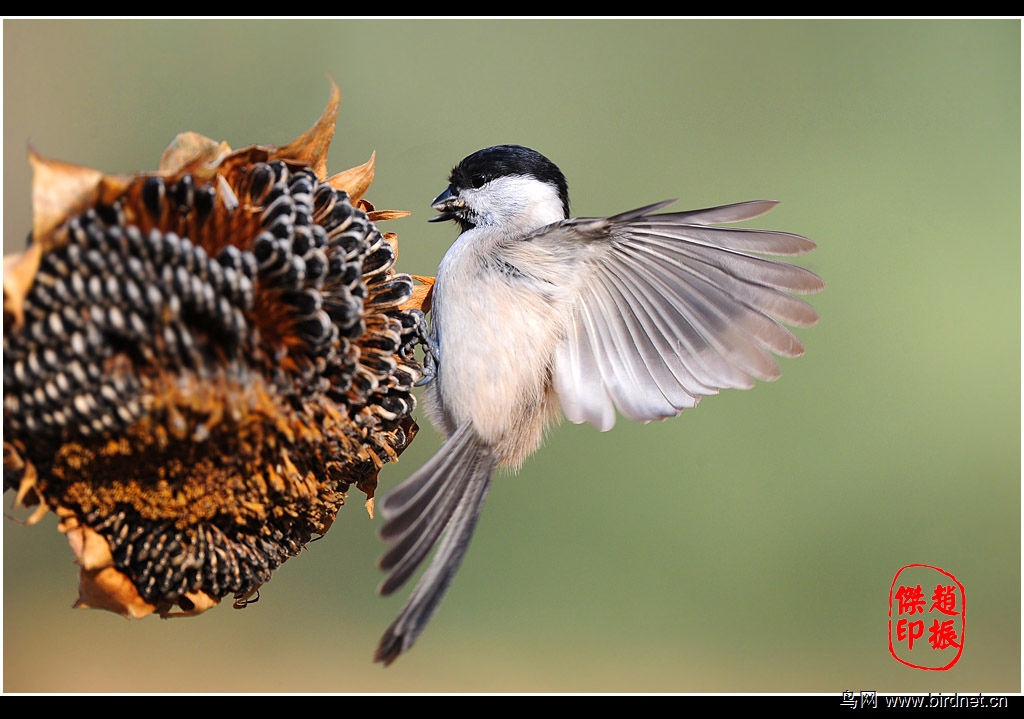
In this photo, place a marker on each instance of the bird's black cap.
(507, 160)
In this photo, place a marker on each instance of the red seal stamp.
(926, 617)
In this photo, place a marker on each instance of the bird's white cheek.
(516, 203)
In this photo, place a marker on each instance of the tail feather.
(419, 509)
(447, 493)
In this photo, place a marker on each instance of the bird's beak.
(447, 206)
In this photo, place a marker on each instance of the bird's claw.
(429, 364)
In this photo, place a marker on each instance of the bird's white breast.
(497, 328)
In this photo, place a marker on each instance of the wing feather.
(672, 309)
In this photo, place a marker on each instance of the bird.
(535, 314)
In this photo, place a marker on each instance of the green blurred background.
(748, 545)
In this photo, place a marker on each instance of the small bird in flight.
(533, 312)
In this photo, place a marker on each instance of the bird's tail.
(447, 492)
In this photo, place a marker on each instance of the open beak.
(447, 206)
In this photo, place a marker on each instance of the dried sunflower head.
(200, 361)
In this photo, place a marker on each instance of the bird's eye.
(478, 181)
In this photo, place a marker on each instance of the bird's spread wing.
(447, 492)
(673, 309)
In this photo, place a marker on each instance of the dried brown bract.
(199, 362)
